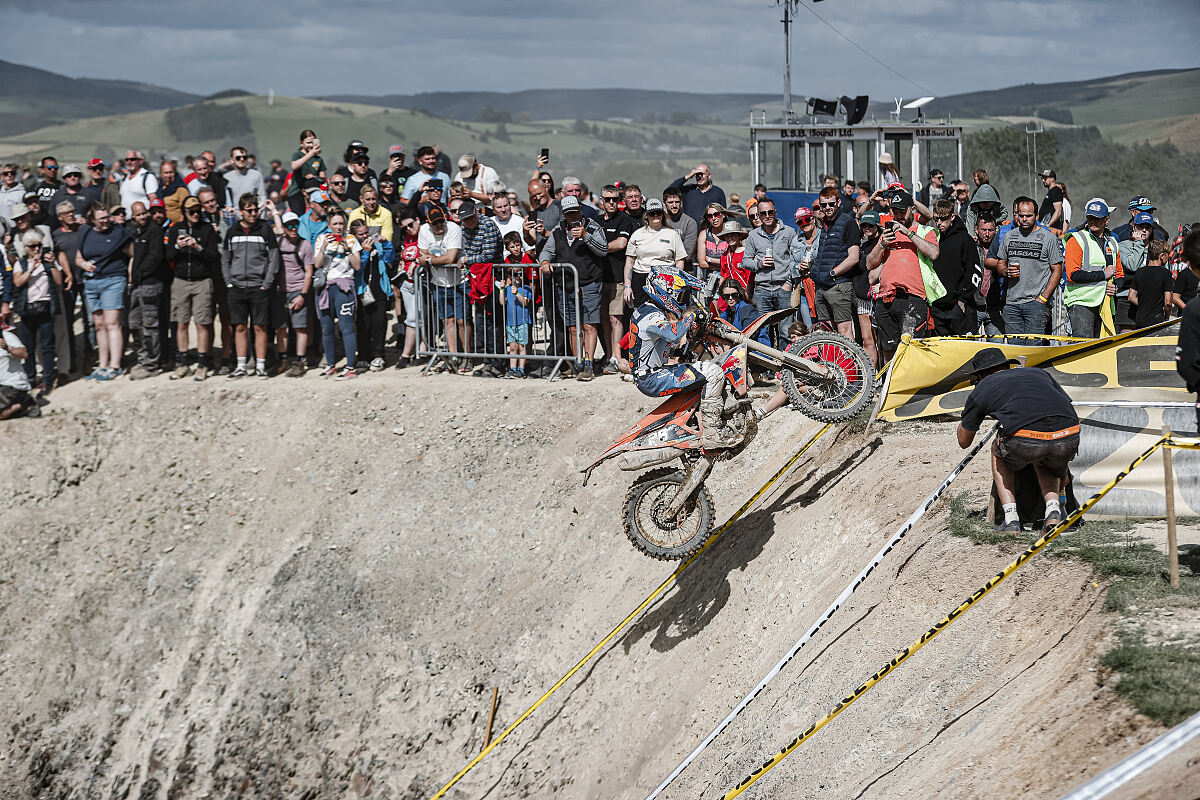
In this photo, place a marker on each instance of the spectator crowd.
(212, 266)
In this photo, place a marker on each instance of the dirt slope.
(308, 589)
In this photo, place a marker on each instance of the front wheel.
(842, 396)
(652, 531)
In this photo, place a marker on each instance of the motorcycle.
(668, 511)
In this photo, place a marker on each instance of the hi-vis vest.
(934, 290)
(1094, 258)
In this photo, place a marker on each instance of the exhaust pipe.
(636, 460)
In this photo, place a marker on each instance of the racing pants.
(680, 377)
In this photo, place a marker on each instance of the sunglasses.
(715, 214)
(97, 166)
(963, 192)
(8, 174)
(362, 161)
(34, 246)
(239, 158)
(292, 226)
(828, 205)
(730, 295)
(133, 158)
(770, 213)
(943, 219)
(605, 199)
(192, 210)
(50, 166)
(337, 183)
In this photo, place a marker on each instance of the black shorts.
(249, 306)
(904, 314)
(10, 395)
(1053, 455)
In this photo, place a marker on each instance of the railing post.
(1169, 481)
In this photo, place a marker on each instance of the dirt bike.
(669, 511)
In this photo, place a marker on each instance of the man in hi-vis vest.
(1093, 262)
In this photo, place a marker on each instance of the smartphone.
(546, 154)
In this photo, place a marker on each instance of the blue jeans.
(767, 298)
(34, 330)
(340, 311)
(1025, 318)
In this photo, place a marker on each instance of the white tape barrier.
(861, 578)
(1129, 768)
(1130, 404)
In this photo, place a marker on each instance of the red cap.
(896, 185)
(96, 162)
(157, 203)
(803, 212)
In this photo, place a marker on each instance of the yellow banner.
(927, 375)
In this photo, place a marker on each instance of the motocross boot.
(714, 433)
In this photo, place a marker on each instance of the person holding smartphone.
(308, 171)
(895, 265)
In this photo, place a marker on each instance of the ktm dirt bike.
(668, 511)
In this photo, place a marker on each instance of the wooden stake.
(1172, 544)
(487, 739)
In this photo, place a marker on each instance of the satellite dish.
(917, 104)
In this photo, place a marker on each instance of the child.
(518, 298)
(1151, 290)
(778, 400)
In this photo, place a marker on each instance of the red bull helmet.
(669, 289)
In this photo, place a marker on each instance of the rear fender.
(672, 424)
(769, 318)
(733, 363)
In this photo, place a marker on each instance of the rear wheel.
(838, 398)
(652, 531)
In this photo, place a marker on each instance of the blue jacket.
(741, 315)
(832, 252)
(385, 254)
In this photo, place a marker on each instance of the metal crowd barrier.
(553, 337)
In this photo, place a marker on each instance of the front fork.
(696, 475)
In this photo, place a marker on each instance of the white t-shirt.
(337, 254)
(1066, 220)
(652, 248)
(38, 287)
(12, 373)
(436, 245)
(488, 180)
(515, 223)
(137, 188)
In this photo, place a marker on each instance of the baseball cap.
(1096, 207)
(118, 210)
(396, 148)
(869, 218)
(1047, 173)
(96, 162)
(1143, 218)
(466, 162)
(653, 204)
(72, 169)
(803, 213)
(468, 209)
(901, 199)
(289, 216)
(894, 185)
(571, 203)
(357, 144)
(435, 215)
(31, 195)
(318, 196)
(1141, 203)
(191, 202)
(17, 210)
(433, 183)
(157, 203)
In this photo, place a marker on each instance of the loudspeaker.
(855, 108)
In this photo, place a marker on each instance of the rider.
(661, 324)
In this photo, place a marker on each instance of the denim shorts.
(450, 301)
(104, 294)
(516, 334)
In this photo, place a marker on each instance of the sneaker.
(33, 411)
(376, 364)
(1009, 527)
(585, 374)
(139, 373)
(201, 373)
(95, 374)
(181, 371)
(259, 372)
(465, 369)
(512, 373)
(519, 372)
(1052, 521)
(403, 362)
(224, 369)
(297, 370)
(329, 372)
(346, 374)
(240, 372)
(44, 390)
(611, 367)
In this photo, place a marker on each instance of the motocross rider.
(664, 323)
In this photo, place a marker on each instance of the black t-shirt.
(1186, 284)
(344, 171)
(354, 188)
(1152, 285)
(401, 177)
(66, 241)
(1019, 398)
(620, 225)
(1046, 209)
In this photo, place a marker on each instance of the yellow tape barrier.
(996, 580)
(633, 614)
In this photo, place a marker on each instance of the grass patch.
(1161, 681)
(1138, 569)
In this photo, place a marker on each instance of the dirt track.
(194, 604)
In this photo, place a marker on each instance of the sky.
(302, 47)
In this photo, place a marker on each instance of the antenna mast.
(787, 57)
